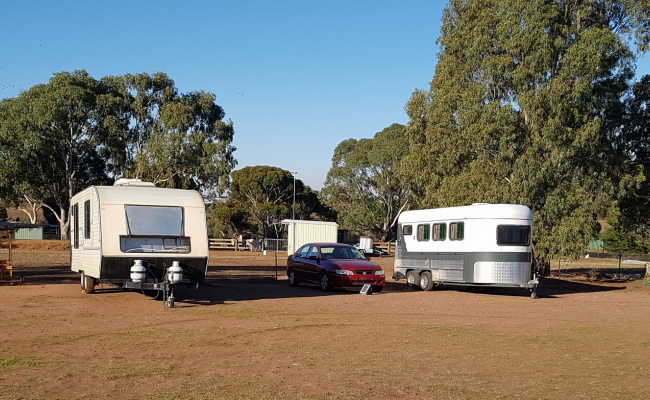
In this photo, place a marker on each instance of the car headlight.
(380, 272)
(344, 272)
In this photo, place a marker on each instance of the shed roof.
(300, 221)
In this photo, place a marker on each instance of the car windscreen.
(341, 253)
(154, 220)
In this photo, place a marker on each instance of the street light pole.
(293, 218)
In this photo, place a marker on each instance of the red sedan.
(333, 265)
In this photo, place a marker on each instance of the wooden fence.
(222, 244)
(229, 244)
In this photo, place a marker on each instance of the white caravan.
(134, 235)
(478, 245)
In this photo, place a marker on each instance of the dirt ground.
(244, 334)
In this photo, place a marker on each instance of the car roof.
(328, 244)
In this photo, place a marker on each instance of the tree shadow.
(249, 283)
(243, 288)
(46, 275)
(548, 288)
(551, 287)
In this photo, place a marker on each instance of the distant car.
(333, 265)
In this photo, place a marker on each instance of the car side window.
(313, 251)
(303, 251)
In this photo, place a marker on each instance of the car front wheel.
(325, 282)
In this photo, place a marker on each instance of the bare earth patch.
(245, 335)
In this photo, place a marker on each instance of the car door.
(298, 262)
(312, 265)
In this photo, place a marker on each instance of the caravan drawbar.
(475, 245)
(134, 235)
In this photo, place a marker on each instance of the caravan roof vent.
(131, 182)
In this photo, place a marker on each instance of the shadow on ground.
(228, 284)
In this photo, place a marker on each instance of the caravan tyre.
(426, 283)
(89, 284)
(412, 279)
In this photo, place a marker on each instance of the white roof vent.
(132, 182)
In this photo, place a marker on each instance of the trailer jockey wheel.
(170, 302)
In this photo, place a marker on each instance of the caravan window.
(87, 219)
(75, 225)
(424, 232)
(407, 230)
(456, 231)
(439, 231)
(154, 220)
(513, 235)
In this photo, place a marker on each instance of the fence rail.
(272, 245)
(279, 245)
(222, 244)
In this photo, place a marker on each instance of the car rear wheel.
(325, 284)
(426, 283)
(292, 278)
(412, 279)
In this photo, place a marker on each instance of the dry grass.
(244, 335)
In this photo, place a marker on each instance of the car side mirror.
(314, 258)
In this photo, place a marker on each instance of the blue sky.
(295, 77)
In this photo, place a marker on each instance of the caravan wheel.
(412, 279)
(89, 284)
(426, 283)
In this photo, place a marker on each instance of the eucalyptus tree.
(634, 139)
(74, 131)
(518, 111)
(261, 197)
(49, 142)
(173, 139)
(363, 186)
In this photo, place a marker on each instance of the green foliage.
(618, 240)
(172, 139)
(226, 218)
(634, 140)
(75, 131)
(363, 186)
(521, 110)
(49, 141)
(260, 198)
